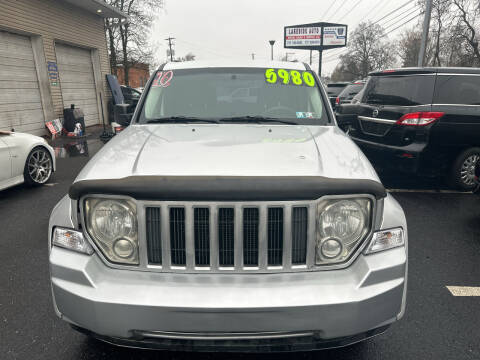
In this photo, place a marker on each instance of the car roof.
(234, 64)
(427, 70)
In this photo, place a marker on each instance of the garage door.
(77, 81)
(20, 104)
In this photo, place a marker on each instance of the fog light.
(72, 240)
(386, 239)
(123, 248)
(331, 248)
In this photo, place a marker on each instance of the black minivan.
(421, 120)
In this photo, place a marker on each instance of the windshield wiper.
(180, 120)
(257, 119)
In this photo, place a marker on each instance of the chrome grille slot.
(202, 236)
(226, 237)
(299, 235)
(154, 238)
(177, 236)
(250, 236)
(275, 236)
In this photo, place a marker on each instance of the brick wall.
(138, 75)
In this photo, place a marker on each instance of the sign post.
(315, 36)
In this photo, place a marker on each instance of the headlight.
(112, 224)
(341, 226)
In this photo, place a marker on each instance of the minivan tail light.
(419, 118)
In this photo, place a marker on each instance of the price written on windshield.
(289, 77)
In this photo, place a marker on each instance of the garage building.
(53, 53)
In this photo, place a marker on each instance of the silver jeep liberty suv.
(231, 215)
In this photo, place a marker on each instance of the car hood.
(229, 150)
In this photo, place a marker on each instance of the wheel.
(38, 167)
(462, 175)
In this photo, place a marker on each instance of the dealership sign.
(317, 36)
(303, 36)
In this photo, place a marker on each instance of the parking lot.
(444, 243)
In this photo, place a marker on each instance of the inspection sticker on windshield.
(289, 77)
(163, 79)
(304, 115)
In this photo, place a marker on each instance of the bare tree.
(409, 47)
(467, 25)
(440, 14)
(368, 50)
(128, 40)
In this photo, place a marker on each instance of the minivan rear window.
(457, 89)
(351, 90)
(404, 90)
(335, 89)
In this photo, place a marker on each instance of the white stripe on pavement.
(464, 290)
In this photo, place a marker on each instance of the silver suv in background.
(216, 222)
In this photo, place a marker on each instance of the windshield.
(351, 90)
(400, 90)
(235, 94)
(334, 90)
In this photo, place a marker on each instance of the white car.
(24, 158)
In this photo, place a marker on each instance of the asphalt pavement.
(444, 249)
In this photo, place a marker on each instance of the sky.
(226, 29)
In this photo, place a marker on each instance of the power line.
(340, 7)
(331, 5)
(385, 16)
(377, 7)
(386, 34)
(409, 11)
(393, 11)
(335, 56)
(349, 11)
(400, 19)
(406, 22)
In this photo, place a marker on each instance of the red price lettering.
(166, 78)
(163, 79)
(156, 81)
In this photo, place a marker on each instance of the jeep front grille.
(228, 237)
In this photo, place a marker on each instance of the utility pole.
(272, 42)
(169, 39)
(426, 26)
(253, 56)
(310, 57)
(320, 54)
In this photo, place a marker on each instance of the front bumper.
(307, 310)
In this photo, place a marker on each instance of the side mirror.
(121, 115)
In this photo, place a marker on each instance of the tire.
(38, 167)
(462, 174)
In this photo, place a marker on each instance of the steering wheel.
(280, 110)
